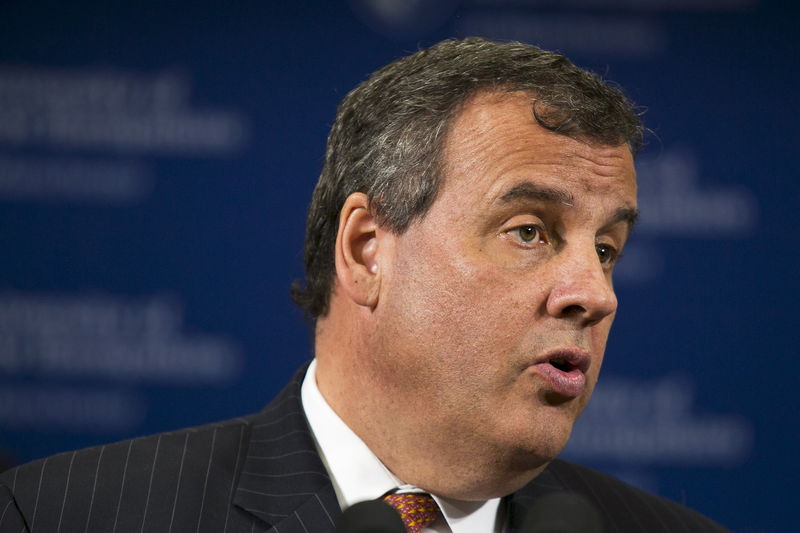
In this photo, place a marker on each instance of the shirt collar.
(357, 474)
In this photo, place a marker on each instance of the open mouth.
(563, 365)
(569, 361)
(564, 373)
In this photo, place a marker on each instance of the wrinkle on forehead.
(511, 133)
(605, 161)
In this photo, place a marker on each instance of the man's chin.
(545, 442)
(536, 458)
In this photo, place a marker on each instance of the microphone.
(373, 516)
(563, 512)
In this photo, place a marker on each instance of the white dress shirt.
(358, 475)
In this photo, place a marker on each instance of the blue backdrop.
(156, 162)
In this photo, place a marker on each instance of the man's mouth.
(564, 366)
(564, 371)
(570, 360)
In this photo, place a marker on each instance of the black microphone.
(563, 512)
(373, 516)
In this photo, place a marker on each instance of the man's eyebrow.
(625, 214)
(532, 191)
(528, 190)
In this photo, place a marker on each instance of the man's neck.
(358, 474)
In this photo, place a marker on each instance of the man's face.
(495, 307)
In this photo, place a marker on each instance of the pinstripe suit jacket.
(256, 473)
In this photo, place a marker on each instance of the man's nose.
(582, 288)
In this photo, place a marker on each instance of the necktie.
(417, 510)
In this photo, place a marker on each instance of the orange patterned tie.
(416, 509)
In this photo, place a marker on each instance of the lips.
(564, 371)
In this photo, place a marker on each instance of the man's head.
(389, 133)
(474, 233)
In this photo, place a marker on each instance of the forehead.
(495, 140)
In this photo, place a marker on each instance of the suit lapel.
(283, 481)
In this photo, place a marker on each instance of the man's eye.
(607, 254)
(528, 233)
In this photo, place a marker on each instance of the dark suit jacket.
(255, 473)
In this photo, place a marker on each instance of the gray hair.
(388, 137)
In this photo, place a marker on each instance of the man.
(459, 253)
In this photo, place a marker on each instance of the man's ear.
(357, 269)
